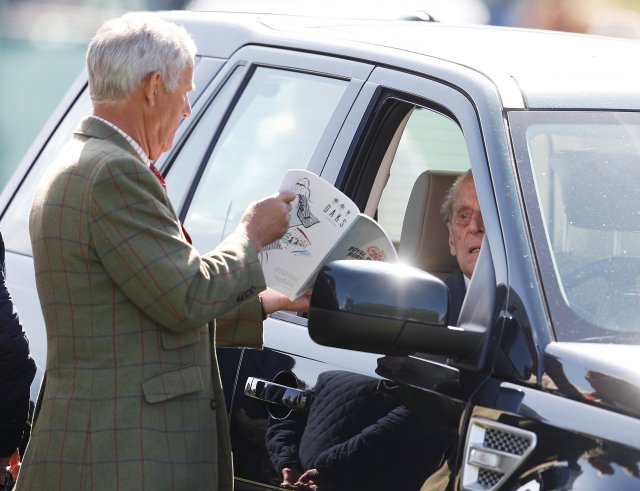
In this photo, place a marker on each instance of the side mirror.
(386, 308)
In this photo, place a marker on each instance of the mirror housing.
(386, 308)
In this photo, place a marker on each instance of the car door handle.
(277, 394)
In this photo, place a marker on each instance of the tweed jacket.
(132, 397)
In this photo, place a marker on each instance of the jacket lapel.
(457, 291)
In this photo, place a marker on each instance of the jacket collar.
(94, 128)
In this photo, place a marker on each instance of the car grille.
(506, 442)
(493, 451)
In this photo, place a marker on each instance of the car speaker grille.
(488, 479)
(493, 451)
(505, 442)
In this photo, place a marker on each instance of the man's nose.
(186, 110)
(476, 224)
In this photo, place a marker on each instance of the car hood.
(607, 375)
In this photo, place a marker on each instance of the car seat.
(424, 240)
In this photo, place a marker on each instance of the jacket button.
(213, 403)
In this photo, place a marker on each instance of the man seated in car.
(461, 213)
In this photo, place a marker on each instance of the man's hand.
(267, 220)
(310, 480)
(290, 477)
(272, 301)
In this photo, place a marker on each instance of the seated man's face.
(466, 229)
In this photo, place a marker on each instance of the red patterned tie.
(155, 170)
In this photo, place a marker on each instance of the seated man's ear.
(452, 245)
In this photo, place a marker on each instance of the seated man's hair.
(445, 210)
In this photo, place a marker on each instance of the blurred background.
(43, 42)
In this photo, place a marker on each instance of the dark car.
(538, 386)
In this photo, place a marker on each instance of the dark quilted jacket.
(17, 370)
(356, 436)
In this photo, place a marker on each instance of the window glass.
(585, 170)
(182, 171)
(275, 125)
(430, 141)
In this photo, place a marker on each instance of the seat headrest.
(424, 241)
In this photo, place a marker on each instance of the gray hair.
(446, 210)
(127, 49)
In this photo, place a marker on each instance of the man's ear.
(452, 245)
(152, 85)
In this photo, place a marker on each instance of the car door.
(306, 404)
(439, 389)
(268, 110)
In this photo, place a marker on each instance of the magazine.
(325, 225)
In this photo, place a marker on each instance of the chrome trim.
(277, 394)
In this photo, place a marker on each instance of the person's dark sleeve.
(17, 370)
(396, 452)
(283, 440)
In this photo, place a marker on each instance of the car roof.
(547, 69)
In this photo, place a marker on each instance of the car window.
(185, 165)
(275, 125)
(585, 169)
(430, 141)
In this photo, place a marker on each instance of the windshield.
(580, 175)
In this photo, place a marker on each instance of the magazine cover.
(324, 225)
(365, 240)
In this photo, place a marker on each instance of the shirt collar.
(136, 146)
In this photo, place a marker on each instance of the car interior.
(424, 242)
(419, 161)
